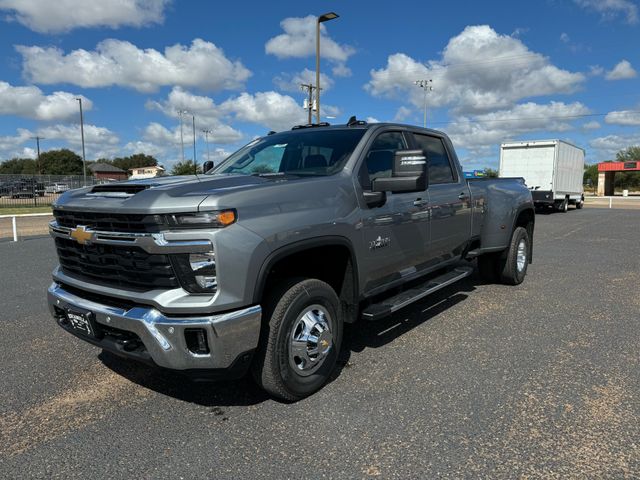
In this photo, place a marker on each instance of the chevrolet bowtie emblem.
(81, 235)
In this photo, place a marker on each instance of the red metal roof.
(619, 166)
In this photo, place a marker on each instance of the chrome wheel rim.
(521, 255)
(311, 340)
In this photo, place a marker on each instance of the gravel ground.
(490, 381)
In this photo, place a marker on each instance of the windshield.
(312, 152)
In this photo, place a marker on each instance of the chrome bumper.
(229, 335)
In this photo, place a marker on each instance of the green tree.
(134, 161)
(590, 175)
(629, 154)
(25, 166)
(184, 168)
(61, 162)
(490, 173)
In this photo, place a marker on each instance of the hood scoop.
(117, 190)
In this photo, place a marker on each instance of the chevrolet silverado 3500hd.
(257, 264)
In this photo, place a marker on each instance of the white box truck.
(552, 169)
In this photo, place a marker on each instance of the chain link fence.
(24, 191)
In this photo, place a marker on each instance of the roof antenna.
(352, 121)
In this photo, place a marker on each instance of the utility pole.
(206, 132)
(37, 139)
(84, 160)
(180, 114)
(426, 86)
(195, 168)
(308, 104)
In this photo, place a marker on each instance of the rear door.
(396, 235)
(449, 201)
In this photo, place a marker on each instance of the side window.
(379, 160)
(439, 163)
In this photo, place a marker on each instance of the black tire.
(488, 267)
(272, 367)
(563, 206)
(580, 204)
(510, 273)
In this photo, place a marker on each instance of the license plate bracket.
(81, 321)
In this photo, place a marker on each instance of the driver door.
(395, 236)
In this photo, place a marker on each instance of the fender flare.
(300, 246)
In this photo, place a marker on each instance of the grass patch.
(23, 210)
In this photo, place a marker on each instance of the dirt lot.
(479, 381)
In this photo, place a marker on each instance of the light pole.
(84, 160)
(206, 132)
(193, 119)
(37, 139)
(322, 18)
(426, 86)
(180, 114)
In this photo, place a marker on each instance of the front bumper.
(231, 336)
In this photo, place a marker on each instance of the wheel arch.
(309, 258)
(525, 217)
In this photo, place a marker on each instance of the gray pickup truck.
(257, 264)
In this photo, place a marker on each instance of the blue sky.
(500, 70)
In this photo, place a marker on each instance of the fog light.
(197, 271)
(204, 263)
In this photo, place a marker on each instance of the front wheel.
(300, 344)
(580, 203)
(563, 206)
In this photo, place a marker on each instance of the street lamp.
(322, 18)
(206, 132)
(426, 86)
(180, 114)
(84, 160)
(195, 168)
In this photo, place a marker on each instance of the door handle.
(419, 202)
(462, 196)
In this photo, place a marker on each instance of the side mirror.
(409, 173)
(206, 166)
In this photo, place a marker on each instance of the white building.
(146, 172)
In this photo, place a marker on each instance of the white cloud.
(402, 114)
(299, 41)
(117, 62)
(592, 125)
(596, 71)
(611, 9)
(623, 117)
(31, 102)
(270, 109)
(491, 129)
(291, 82)
(148, 148)
(208, 115)
(100, 142)
(341, 70)
(9, 144)
(64, 15)
(606, 147)
(622, 71)
(480, 70)
(372, 120)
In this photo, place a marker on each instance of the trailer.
(552, 169)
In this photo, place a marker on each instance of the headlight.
(220, 218)
(196, 271)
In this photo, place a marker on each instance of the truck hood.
(159, 195)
